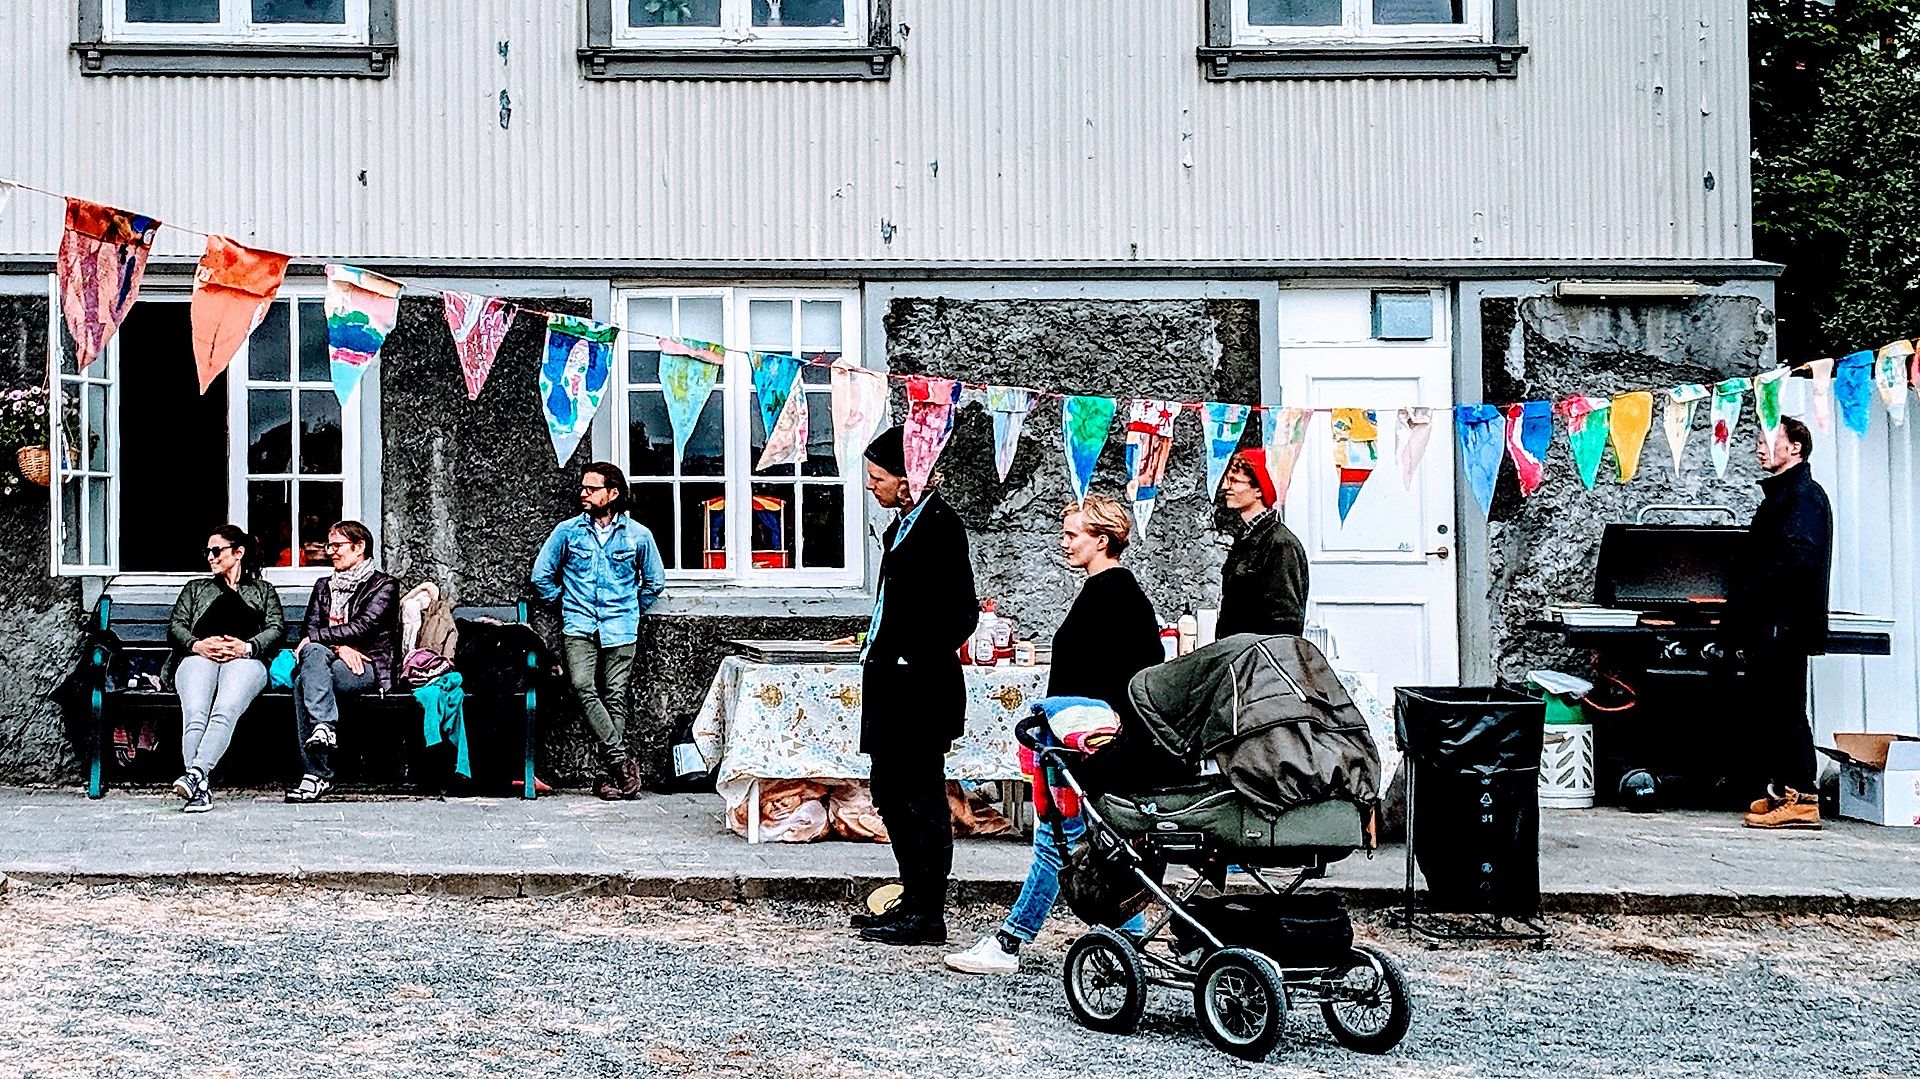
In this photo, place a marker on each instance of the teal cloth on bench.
(444, 715)
(280, 671)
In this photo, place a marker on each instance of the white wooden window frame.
(736, 386)
(736, 30)
(239, 381)
(1357, 27)
(236, 26)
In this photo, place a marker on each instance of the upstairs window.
(238, 21)
(740, 23)
(1273, 22)
(289, 38)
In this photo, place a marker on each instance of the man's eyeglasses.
(338, 545)
(216, 552)
(588, 487)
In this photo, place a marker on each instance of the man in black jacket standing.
(1780, 613)
(913, 694)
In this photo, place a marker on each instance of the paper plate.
(883, 898)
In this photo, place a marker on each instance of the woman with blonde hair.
(1109, 635)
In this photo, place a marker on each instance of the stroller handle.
(1028, 730)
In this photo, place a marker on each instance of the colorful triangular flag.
(1677, 420)
(689, 370)
(1766, 399)
(1890, 377)
(1853, 390)
(1627, 427)
(1413, 432)
(232, 288)
(859, 411)
(362, 307)
(1482, 432)
(103, 252)
(479, 324)
(930, 406)
(1586, 434)
(774, 374)
(787, 439)
(1149, 444)
(1225, 423)
(1084, 423)
(1355, 452)
(1008, 405)
(1725, 416)
(574, 371)
(1283, 434)
(1529, 435)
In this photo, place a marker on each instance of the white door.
(1383, 582)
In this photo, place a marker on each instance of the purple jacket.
(372, 625)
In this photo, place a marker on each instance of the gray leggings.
(212, 697)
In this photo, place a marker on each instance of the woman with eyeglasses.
(348, 647)
(223, 630)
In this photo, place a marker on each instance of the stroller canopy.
(1270, 712)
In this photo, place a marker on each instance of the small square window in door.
(173, 444)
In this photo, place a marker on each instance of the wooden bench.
(129, 639)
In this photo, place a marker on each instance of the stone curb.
(486, 884)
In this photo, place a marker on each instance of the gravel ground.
(133, 981)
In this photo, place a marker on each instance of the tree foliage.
(1836, 134)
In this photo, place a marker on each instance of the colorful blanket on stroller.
(1078, 723)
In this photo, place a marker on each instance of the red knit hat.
(1257, 460)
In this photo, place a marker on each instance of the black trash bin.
(1474, 805)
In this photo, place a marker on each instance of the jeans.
(600, 678)
(319, 678)
(910, 791)
(212, 697)
(1042, 887)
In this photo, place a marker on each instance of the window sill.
(1477, 61)
(688, 600)
(822, 63)
(289, 58)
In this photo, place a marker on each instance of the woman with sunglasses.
(224, 628)
(348, 647)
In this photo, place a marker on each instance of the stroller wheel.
(1241, 1002)
(1106, 987)
(1370, 1011)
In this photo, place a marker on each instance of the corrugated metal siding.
(1074, 130)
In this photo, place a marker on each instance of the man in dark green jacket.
(1263, 588)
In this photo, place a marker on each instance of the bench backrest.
(144, 625)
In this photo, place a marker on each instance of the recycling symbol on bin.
(1486, 799)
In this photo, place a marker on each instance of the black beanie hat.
(889, 450)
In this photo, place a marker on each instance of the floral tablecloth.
(802, 721)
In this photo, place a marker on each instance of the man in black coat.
(913, 695)
(1779, 612)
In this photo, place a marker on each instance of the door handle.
(1442, 553)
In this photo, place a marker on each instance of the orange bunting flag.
(232, 288)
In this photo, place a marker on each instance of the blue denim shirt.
(602, 588)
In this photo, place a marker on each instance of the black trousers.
(1777, 711)
(910, 791)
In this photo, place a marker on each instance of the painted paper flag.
(479, 324)
(1149, 444)
(1283, 434)
(1225, 423)
(1890, 377)
(787, 438)
(1677, 419)
(1529, 434)
(1822, 372)
(1766, 398)
(6, 196)
(1008, 405)
(362, 307)
(1586, 434)
(1415, 432)
(102, 254)
(1627, 427)
(930, 405)
(1725, 416)
(232, 287)
(573, 377)
(1355, 452)
(859, 411)
(688, 372)
(1084, 423)
(773, 379)
(1482, 431)
(1853, 389)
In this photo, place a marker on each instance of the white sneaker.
(986, 957)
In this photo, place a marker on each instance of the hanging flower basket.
(36, 464)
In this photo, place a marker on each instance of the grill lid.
(1655, 567)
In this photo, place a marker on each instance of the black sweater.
(1110, 634)
(1779, 595)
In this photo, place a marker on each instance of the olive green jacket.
(199, 595)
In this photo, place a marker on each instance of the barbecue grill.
(1684, 724)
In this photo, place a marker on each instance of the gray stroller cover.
(1270, 712)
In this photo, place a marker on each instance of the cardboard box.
(1879, 777)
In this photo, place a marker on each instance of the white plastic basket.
(1566, 766)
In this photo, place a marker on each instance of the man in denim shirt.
(605, 570)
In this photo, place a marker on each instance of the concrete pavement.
(674, 845)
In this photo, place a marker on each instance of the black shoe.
(201, 801)
(911, 929)
(863, 920)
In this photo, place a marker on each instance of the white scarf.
(341, 587)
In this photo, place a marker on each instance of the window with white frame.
(237, 21)
(1259, 22)
(738, 22)
(803, 525)
(147, 465)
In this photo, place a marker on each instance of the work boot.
(910, 929)
(610, 785)
(630, 779)
(1773, 801)
(1794, 810)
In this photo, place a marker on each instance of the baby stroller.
(1281, 774)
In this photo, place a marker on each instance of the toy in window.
(769, 538)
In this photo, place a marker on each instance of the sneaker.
(1795, 810)
(986, 957)
(311, 789)
(187, 784)
(201, 801)
(322, 737)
